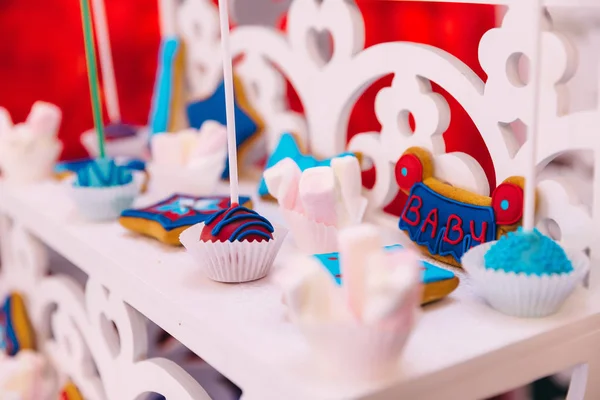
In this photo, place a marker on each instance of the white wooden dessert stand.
(461, 348)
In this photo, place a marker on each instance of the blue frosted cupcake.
(525, 274)
(102, 189)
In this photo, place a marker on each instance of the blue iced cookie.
(438, 282)
(166, 219)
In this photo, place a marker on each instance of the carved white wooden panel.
(90, 336)
(322, 55)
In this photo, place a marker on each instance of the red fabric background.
(43, 59)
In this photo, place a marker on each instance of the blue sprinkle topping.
(103, 173)
(531, 253)
(249, 228)
(404, 171)
(504, 205)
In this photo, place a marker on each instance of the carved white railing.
(329, 80)
(90, 335)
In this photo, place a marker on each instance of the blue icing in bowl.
(103, 173)
(531, 253)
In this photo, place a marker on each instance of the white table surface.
(242, 331)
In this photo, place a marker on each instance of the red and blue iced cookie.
(446, 221)
(166, 219)
(438, 282)
(16, 332)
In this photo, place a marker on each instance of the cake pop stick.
(90, 53)
(356, 246)
(229, 100)
(536, 68)
(106, 62)
(318, 195)
(282, 182)
(347, 173)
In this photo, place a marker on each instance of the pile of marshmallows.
(319, 201)
(357, 330)
(190, 161)
(29, 150)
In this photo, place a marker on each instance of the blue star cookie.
(289, 148)
(438, 282)
(166, 219)
(247, 123)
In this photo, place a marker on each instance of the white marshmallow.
(318, 195)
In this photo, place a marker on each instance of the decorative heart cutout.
(320, 45)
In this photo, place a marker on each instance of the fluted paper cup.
(232, 262)
(522, 295)
(198, 180)
(356, 351)
(310, 236)
(105, 203)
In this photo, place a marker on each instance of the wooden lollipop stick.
(106, 61)
(229, 100)
(532, 131)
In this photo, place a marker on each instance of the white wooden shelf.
(460, 348)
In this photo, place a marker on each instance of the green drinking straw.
(90, 55)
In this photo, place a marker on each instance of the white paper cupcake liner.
(354, 351)
(310, 236)
(232, 262)
(103, 204)
(521, 295)
(196, 181)
(134, 147)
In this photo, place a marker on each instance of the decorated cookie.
(447, 221)
(16, 332)
(438, 282)
(248, 124)
(167, 97)
(166, 219)
(70, 392)
(288, 148)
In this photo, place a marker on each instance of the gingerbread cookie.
(248, 124)
(438, 282)
(446, 221)
(167, 99)
(166, 219)
(16, 332)
(288, 147)
(70, 392)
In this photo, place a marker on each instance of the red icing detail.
(456, 228)
(414, 209)
(332, 258)
(432, 219)
(414, 170)
(514, 195)
(481, 237)
(227, 231)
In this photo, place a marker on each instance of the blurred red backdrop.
(43, 59)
